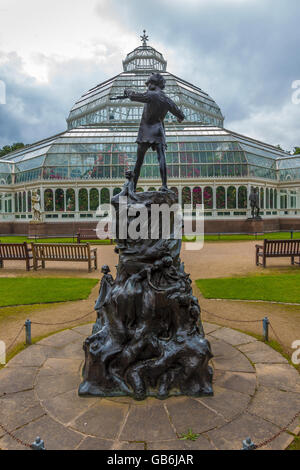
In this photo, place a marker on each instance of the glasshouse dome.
(76, 170)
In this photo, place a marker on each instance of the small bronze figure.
(254, 203)
(152, 130)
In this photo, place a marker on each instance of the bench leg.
(1, 263)
(265, 262)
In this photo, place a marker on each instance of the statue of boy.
(254, 203)
(152, 130)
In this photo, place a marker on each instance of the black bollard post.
(248, 444)
(38, 444)
(28, 331)
(266, 328)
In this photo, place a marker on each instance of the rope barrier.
(249, 445)
(19, 441)
(63, 323)
(13, 342)
(230, 319)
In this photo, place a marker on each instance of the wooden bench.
(88, 234)
(16, 251)
(277, 249)
(43, 252)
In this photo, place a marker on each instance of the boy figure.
(152, 130)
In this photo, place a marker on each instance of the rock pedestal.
(148, 339)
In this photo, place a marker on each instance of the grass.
(278, 288)
(26, 291)
(207, 238)
(19, 239)
(247, 237)
(189, 436)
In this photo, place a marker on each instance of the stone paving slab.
(261, 352)
(229, 437)
(237, 381)
(279, 376)
(232, 337)
(84, 330)
(54, 434)
(256, 393)
(66, 407)
(210, 327)
(17, 379)
(276, 406)
(60, 339)
(189, 413)
(103, 420)
(201, 443)
(18, 409)
(228, 404)
(158, 426)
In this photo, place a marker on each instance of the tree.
(11, 148)
(297, 151)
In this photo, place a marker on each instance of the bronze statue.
(254, 203)
(149, 338)
(152, 131)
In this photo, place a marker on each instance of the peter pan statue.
(152, 131)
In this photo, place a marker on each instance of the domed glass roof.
(104, 152)
(95, 107)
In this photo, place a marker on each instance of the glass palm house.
(83, 166)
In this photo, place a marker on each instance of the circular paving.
(256, 394)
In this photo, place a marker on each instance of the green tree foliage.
(11, 148)
(297, 151)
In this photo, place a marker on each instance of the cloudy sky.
(244, 53)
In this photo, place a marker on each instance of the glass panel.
(231, 197)
(48, 200)
(220, 203)
(208, 198)
(83, 199)
(94, 199)
(59, 200)
(242, 197)
(70, 200)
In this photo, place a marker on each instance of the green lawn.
(24, 291)
(245, 237)
(279, 288)
(207, 238)
(17, 239)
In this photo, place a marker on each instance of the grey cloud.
(36, 110)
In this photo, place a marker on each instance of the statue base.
(254, 225)
(148, 340)
(37, 229)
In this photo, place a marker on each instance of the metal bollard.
(38, 444)
(28, 331)
(248, 444)
(266, 328)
